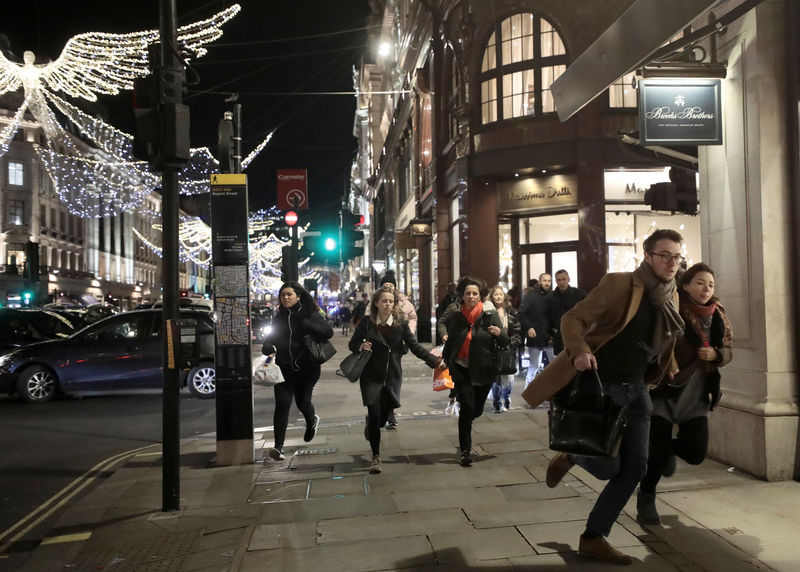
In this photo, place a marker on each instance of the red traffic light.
(360, 220)
(291, 218)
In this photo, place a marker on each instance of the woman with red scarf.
(473, 336)
(686, 400)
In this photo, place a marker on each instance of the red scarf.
(691, 312)
(471, 316)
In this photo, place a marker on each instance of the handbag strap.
(579, 376)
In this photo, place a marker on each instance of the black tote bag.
(587, 423)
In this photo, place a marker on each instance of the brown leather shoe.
(558, 467)
(602, 551)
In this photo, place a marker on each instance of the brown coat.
(595, 320)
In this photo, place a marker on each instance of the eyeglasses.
(666, 257)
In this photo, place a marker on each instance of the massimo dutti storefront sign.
(537, 192)
(680, 111)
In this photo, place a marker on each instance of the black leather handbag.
(320, 351)
(506, 361)
(587, 423)
(353, 365)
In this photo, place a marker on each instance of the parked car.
(20, 327)
(119, 353)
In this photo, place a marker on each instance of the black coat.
(482, 358)
(558, 304)
(286, 338)
(533, 314)
(384, 369)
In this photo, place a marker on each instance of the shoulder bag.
(506, 361)
(320, 351)
(353, 365)
(588, 424)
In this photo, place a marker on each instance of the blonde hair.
(506, 297)
(397, 314)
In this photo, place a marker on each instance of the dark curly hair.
(465, 281)
(306, 300)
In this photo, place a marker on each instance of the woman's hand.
(495, 330)
(707, 354)
(365, 346)
(439, 363)
(444, 338)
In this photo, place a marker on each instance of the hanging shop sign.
(537, 192)
(292, 189)
(680, 111)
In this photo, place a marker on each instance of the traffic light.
(679, 195)
(31, 261)
(321, 246)
(27, 296)
(286, 259)
(351, 234)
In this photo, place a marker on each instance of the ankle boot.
(646, 509)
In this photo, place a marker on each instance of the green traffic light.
(330, 244)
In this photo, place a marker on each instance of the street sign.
(292, 189)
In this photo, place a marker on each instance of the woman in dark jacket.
(386, 333)
(504, 384)
(297, 316)
(686, 400)
(474, 334)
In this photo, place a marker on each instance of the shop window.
(506, 278)
(531, 57)
(621, 93)
(16, 173)
(455, 102)
(15, 253)
(425, 130)
(548, 229)
(15, 212)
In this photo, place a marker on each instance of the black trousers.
(298, 385)
(377, 414)
(690, 444)
(471, 399)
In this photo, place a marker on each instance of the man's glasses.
(667, 257)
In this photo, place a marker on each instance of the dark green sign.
(680, 111)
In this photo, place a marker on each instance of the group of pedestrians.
(657, 344)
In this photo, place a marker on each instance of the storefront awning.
(644, 27)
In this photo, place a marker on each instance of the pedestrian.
(686, 400)
(407, 309)
(504, 384)
(297, 316)
(385, 333)
(627, 326)
(558, 303)
(360, 308)
(533, 319)
(474, 333)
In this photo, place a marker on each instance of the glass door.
(536, 259)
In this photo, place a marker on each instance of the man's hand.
(584, 361)
(494, 330)
(531, 333)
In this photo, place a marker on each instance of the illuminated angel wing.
(98, 62)
(10, 75)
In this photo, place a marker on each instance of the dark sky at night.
(268, 53)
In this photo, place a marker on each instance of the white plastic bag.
(265, 372)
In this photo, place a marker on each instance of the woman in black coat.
(386, 334)
(474, 335)
(504, 384)
(297, 316)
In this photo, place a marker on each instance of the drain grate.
(151, 554)
(303, 452)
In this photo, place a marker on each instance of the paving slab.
(284, 535)
(326, 508)
(471, 546)
(531, 512)
(390, 526)
(449, 498)
(367, 556)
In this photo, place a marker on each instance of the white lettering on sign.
(666, 112)
(536, 192)
(291, 177)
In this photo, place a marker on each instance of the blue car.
(119, 353)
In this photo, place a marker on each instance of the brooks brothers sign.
(680, 112)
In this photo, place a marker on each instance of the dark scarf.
(669, 324)
(471, 316)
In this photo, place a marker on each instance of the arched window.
(523, 57)
(455, 101)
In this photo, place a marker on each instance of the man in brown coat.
(626, 328)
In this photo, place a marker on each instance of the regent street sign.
(680, 111)
(537, 192)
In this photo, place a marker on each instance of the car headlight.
(266, 330)
(6, 358)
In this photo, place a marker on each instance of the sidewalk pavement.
(320, 509)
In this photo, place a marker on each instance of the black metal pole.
(294, 272)
(237, 137)
(169, 220)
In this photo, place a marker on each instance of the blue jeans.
(500, 394)
(629, 467)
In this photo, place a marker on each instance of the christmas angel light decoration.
(96, 182)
